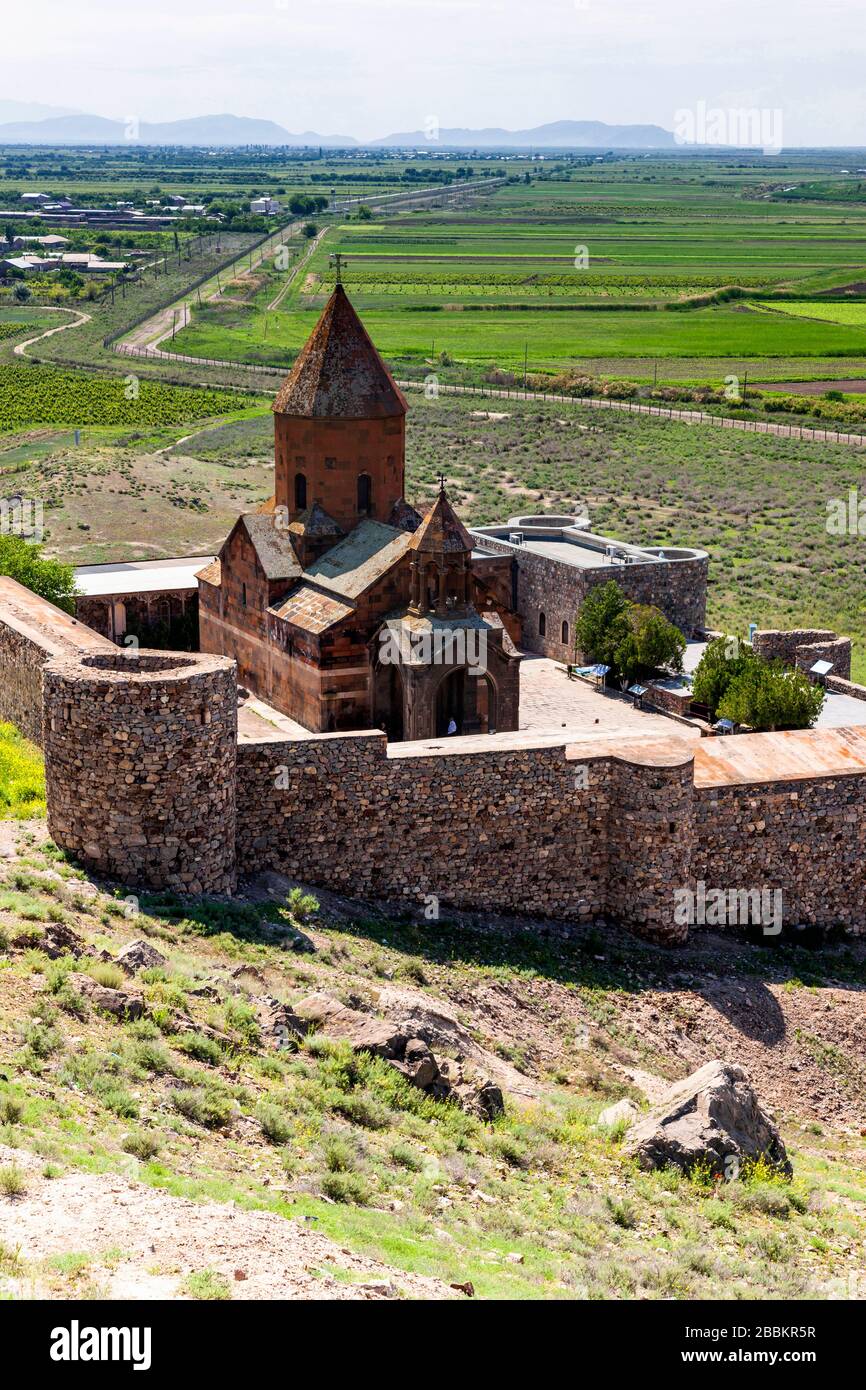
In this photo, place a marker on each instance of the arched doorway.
(388, 700)
(365, 494)
(450, 702)
(485, 704)
(300, 492)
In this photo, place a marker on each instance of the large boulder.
(362, 1031)
(139, 955)
(714, 1117)
(125, 1005)
(410, 1054)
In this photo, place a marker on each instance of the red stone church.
(343, 606)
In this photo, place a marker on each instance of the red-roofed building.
(344, 607)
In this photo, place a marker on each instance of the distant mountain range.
(23, 124)
(198, 130)
(560, 135)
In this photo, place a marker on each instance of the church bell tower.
(339, 425)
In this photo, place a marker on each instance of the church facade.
(343, 606)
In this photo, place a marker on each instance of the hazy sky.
(369, 67)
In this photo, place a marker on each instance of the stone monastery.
(363, 712)
(313, 594)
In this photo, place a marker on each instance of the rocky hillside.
(266, 1097)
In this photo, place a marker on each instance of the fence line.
(690, 417)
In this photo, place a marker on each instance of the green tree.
(602, 623)
(766, 696)
(20, 292)
(310, 230)
(724, 659)
(24, 561)
(649, 644)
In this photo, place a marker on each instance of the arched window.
(300, 491)
(542, 624)
(365, 494)
(565, 634)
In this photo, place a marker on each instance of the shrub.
(275, 1124)
(346, 1187)
(650, 644)
(23, 560)
(241, 1018)
(208, 1285)
(363, 1109)
(601, 623)
(633, 639)
(339, 1156)
(723, 661)
(302, 905)
(141, 1145)
(106, 973)
(12, 1181)
(207, 1108)
(766, 696)
(407, 1157)
(202, 1048)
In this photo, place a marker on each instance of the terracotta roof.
(786, 756)
(441, 529)
(360, 559)
(273, 546)
(310, 609)
(211, 574)
(339, 374)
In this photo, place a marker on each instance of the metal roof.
(140, 576)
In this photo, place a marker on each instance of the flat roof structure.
(788, 756)
(140, 576)
(568, 540)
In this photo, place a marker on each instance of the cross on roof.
(338, 260)
(441, 482)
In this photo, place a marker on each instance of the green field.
(851, 315)
(611, 268)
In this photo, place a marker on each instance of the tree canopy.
(51, 579)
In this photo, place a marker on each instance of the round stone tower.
(140, 750)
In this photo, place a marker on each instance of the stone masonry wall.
(806, 838)
(802, 647)
(518, 829)
(140, 766)
(31, 632)
(21, 662)
(549, 831)
(677, 587)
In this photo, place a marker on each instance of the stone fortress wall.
(148, 785)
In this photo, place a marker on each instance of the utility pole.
(525, 365)
(745, 383)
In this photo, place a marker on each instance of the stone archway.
(450, 702)
(388, 699)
